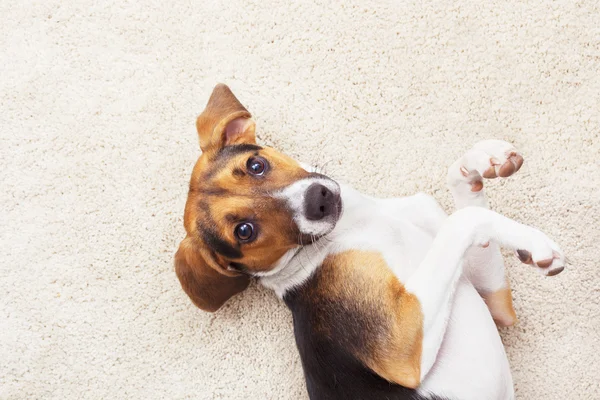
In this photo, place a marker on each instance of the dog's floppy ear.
(208, 288)
(224, 121)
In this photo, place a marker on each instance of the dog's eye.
(244, 231)
(256, 165)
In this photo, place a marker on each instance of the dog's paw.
(489, 159)
(543, 254)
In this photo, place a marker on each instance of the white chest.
(376, 228)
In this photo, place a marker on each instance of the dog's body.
(387, 294)
(348, 314)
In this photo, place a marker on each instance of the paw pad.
(512, 164)
(556, 271)
(476, 186)
(525, 257)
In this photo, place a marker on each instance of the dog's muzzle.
(316, 204)
(320, 202)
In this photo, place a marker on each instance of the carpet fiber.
(97, 109)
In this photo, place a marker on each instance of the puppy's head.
(247, 206)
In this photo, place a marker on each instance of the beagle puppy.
(391, 298)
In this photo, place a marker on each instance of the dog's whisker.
(323, 167)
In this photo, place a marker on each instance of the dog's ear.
(200, 278)
(224, 121)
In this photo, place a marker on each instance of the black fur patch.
(234, 150)
(238, 172)
(214, 241)
(220, 159)
(239, 267)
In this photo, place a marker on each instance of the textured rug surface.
(97, 108)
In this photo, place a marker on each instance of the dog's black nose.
(319, 202)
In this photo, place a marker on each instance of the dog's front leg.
(435, 280)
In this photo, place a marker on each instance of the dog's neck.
(298, 264)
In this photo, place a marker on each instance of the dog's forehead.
(229, 152)
(225, 172)
(219, 165)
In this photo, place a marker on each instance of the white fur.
(293, 268)
(434, 255)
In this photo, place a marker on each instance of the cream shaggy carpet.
(98, 103)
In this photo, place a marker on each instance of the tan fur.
(501, 306)
(395, 324)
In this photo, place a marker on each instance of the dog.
(391, 298)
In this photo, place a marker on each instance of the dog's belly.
(471, 363)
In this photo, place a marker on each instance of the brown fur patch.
(372, 314)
